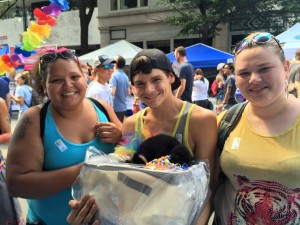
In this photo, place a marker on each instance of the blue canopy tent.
(203, 56)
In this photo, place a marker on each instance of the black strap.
(228, 123)
(26, 104)
(101, 107)
(44, 108)
(43, 113)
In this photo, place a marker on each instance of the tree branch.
(8, 8)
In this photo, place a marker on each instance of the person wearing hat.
(220, 82)
(99, 88)
(195, 127)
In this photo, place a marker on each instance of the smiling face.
(65, 83)
(153, 88)
(261, 75)
(103, 73)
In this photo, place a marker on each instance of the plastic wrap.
(129, 194)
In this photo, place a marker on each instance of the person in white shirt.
(199, 93)
(99, 88)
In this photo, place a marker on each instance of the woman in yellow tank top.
(261, 156)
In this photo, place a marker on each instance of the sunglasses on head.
(261, 38)
(53, 56)
(106, 67)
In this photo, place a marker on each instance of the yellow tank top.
(181, 129)
(263, 177)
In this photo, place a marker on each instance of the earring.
(286, 88)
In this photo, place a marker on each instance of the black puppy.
(162, 145)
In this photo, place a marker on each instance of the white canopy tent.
(123, 48)
(290, 40)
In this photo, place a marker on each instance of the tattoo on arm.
(21, 129)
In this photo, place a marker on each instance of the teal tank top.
(60, 153)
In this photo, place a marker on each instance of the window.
(113, 5)
(143, 3)
(127, 4)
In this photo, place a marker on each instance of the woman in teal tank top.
(42, 168)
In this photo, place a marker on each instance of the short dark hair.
(120, 61)
(198, 71)
(181, 50)
(149, 59)
(230, 66)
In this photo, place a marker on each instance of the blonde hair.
(273, 44)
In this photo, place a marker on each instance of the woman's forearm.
(41, 184)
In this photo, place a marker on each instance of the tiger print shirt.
(263, 178)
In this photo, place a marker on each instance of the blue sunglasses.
(107, 67)
(261, 38)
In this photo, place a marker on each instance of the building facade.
(141, 22)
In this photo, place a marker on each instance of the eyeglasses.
(261, 38)
(106, 67)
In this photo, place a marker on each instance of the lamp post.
(25, 23)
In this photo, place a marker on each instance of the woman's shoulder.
(30, 119)
(33, 112)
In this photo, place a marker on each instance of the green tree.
(5, 6)
(86, 10)
(203, 17)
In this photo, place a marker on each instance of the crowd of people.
(253, 175)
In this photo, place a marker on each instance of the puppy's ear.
(180, 154)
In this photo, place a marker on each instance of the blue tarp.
(203, 56)
(4, 49)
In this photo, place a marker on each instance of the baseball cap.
(157, 60)
(220, 66)
(103, 60)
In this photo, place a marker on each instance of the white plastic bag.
(128, 194)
